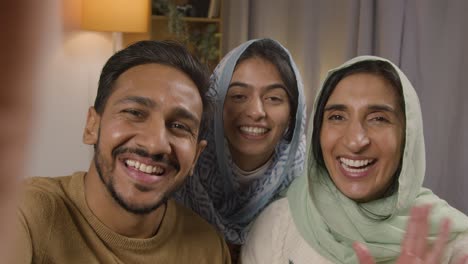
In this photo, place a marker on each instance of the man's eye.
(134, 112)
(180, 126)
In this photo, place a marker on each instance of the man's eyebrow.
(269, 87)
(181, 112)
(178, 111)
(139, 100)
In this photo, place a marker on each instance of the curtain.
(426, 39)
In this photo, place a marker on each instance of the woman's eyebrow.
(275, 86)
(268, 87)
(339, 107)
(239, 84)
(373, 107)
(381, 107)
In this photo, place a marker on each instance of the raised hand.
(415, 248)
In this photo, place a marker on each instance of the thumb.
(363, 253)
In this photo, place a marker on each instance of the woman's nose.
(356, 138)
(255, 109)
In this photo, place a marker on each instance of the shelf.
(191, 19)
(198, 29)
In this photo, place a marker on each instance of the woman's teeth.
(355, 163)
(253, 130)
(355, 166)
(144, 167)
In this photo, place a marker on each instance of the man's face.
(146, 138)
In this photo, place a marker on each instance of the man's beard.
(132, 208)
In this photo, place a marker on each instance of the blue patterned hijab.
(213, 191)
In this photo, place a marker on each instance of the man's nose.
(356, 138)
(154, 138)
(255, 109)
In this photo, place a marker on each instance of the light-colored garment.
(213, 191)
(246, 177)
(330, 223)
(274, 239)
(56, 226)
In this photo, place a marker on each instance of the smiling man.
(144, 127)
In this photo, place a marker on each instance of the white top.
(274, 238)
(246, 177)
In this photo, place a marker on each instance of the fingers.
(415, 246)
(463, 260)
(438, 248)
(414, 243)
(363, 254)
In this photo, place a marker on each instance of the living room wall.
(69, 73)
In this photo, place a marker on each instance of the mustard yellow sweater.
(56, 226)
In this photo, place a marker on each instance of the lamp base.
(117, 40)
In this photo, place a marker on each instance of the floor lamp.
(116, 16)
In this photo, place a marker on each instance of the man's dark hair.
(271, 51)
(168, 53)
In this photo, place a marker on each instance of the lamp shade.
(115, 15)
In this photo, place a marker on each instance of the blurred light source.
(116, 16)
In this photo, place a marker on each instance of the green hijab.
(330, 222)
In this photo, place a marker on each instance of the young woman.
(256, 138)
(364, 171)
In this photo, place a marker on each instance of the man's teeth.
(144, 167)
(253, 130)
(355, 163)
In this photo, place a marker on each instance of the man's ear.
(90, 134)
(200, 147)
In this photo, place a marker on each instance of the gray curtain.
(427, 39)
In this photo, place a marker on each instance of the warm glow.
(116, 15)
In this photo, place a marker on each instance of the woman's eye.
(274, 99)
(380, 119)
(336, 117)
(238, 97)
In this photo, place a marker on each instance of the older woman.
(364, 172)
(256, 138)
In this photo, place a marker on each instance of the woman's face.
(362, 136)
(256, 112)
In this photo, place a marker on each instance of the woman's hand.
(415, 248)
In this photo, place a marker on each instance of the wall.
(69, 73)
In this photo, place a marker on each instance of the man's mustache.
(143, 153)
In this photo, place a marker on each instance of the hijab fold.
(213, 191)
(330, 222)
